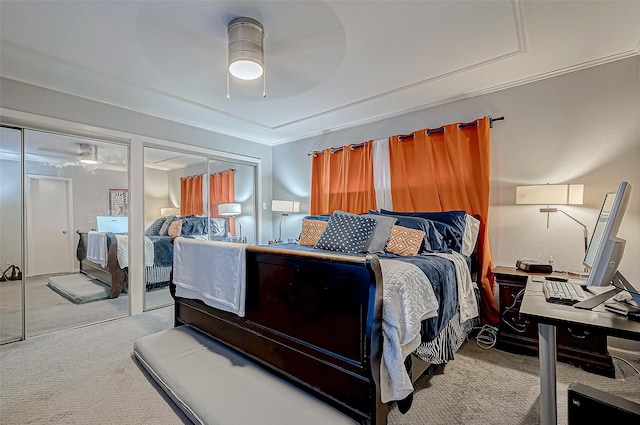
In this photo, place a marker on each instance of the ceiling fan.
(190, 44)
(86, 153)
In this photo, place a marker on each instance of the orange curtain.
(191, 195)
(342, 179)
(448, 170)
(221, 191)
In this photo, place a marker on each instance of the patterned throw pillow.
(175, 228)
(404, 241)
(154, 228)
(346, 233)
(311, 231)
(164, 230)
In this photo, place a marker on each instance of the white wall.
(94, 117)
(156, 194)
(581, 127)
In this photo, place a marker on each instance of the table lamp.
(285, 207)
(228, 210)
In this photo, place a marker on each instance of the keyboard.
(563, 292)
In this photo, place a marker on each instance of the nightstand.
(577, 345)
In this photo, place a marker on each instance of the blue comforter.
(162, 250)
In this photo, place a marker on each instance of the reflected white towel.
(97, 247)
(211, 271)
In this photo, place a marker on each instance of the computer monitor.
(605, 249)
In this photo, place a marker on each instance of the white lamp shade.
(169, 211)
(246, 51)
(229, 209)
(550, 194)
(285, 206)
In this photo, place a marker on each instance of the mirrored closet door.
(188, 195)
(11, 211)
(76, 226)
(170, 179)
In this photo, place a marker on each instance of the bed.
(315, 316)
(106, 257)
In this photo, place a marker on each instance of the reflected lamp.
(229, 210)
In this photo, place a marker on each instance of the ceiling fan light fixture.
(88, 154)
(246, 52)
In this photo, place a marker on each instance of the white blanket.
(408, 299)
(97, 247)
(123, 251)
(211, 271)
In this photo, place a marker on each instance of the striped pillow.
(404, 241)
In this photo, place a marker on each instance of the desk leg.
(547, 354)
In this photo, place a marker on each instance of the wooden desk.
(548, 316)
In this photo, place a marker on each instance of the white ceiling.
(330, 64)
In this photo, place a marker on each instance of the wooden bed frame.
(314, 319)
(111, 274)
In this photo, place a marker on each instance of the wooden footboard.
(314, 319)
(112, 274)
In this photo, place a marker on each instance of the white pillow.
(470, 236)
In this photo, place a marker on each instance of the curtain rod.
(440, 129)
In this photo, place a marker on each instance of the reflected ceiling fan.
(85, 153)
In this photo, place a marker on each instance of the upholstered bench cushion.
(213, 384)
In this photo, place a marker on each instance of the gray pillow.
(381, 233)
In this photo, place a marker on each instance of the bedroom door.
(49, 225)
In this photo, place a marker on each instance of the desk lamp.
(553, 194)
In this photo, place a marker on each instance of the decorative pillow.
(175, 228)
(218, 226)
(164, 230)
(346, 233)
(405, 241)
(321, 217)
(470, 235)
(381, 233)
(434, 240)
(451, 224)
(154, 228)
(311, 231)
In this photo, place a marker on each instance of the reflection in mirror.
(11, 312)
(180, 192)
(76, 224)
(234, 203)
(164, 173)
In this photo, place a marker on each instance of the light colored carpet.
(87, 375)
(79, 288)
(47, 311)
